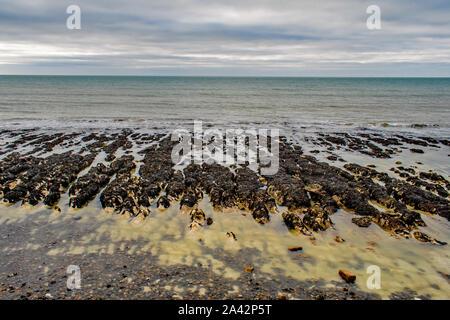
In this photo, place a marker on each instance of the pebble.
(347, 276)
(249, 269)
(231, 236)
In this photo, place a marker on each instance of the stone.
(249, 269)
(362, 222)
(197, 216)
(231, 236)
(347, 276)
(426, 238)
(163, 203)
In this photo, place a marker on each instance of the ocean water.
(411, 104)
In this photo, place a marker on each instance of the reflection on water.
(165, 234)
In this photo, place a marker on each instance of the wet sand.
(130, 254)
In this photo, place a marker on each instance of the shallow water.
(165, 234)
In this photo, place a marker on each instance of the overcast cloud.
(204, 37)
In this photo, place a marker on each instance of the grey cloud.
(225, 37)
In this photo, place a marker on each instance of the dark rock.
(425, 238)
(163, 202)
(363, 222)
(231, 235)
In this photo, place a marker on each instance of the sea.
(401, 104)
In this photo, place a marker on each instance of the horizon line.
(214, 76)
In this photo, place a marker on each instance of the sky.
(226, 38)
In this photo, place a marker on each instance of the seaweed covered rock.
(362, 222)
(294, 221)
(311, 190)
(197, 219)
(163, 203)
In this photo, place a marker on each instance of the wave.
(431, 129)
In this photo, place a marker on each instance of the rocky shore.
(131, 173)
